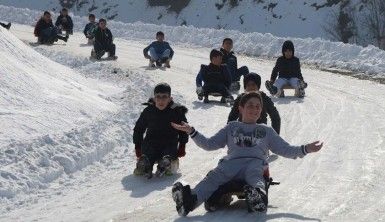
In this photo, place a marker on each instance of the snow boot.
(256, 199)
(185, 201)
(143, 167)
(164, 166)
(272, 89)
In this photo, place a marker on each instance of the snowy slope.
(367, 61)
(341, 183)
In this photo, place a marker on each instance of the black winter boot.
(185, 201)
(256, 199)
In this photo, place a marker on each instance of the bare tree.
(374, 20)
(342, 25)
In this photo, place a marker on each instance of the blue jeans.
(156, 56)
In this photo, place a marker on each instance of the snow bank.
(368, 60)
(38, 99)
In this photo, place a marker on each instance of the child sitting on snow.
(162, 143)
(288, 70)
(160, 52)
(248, 147)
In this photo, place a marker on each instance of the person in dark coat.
(230, 60)
(252, 82)
(288, 70)
(6, 26)
(162, 142)
(90, 28)
(64, 22)
(160, 52)
(103, 41)
(46, 32)
(216, 78)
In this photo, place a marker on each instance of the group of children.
(161, 132)
(246, 136)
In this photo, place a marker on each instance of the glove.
(199, 90)
(182, 150)
(138, 151)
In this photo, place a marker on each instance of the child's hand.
(314, 147)
(183, 127)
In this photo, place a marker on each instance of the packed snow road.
(343, 182)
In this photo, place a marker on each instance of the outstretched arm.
(215, 142)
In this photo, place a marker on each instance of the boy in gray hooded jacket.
(248, 149)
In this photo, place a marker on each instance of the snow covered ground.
(90, 167)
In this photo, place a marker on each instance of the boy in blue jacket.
(248, 147)
(160, 52)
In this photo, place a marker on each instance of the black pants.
(156, 152)
(101, 49)
(216, 88)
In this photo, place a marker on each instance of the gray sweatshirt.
(248, 141)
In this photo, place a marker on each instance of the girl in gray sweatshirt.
(248, 146)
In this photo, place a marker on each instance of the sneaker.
(112, 57)
(185, 201)
(206, 99)
(167, 64)
(256, 199)
(151, 63)
(280, 93)
(271, 88)
(164, 166)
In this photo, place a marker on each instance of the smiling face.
(227, 45)
(251, 111)
(162, 100)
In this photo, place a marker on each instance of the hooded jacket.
(287, 68)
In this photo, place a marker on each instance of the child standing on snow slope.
(162, 143)
(248, 147)
(160, 52)
(288, 70)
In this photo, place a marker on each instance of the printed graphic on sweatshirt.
(248, 139)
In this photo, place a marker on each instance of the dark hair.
(215, 53)
(160, 33)
(64, 10)
(247, 96)
(162, 88)
(287, 45)
(47, 13)
(227, 39)
(102, 20)
(91, 16)
(252, 77)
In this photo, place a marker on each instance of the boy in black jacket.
(103, 42)
(252, 82)
(230, 60)
(288, 70)
(64, 22)
(216, 79)
(46, 32)
(162, 143)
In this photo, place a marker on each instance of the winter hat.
(287, 45)
(215, 53)
(252, 77)
(162, 88)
